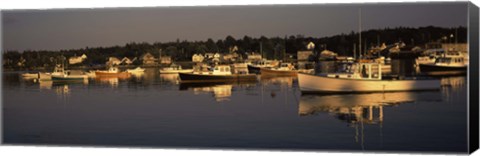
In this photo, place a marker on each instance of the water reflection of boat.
(288, 80)
(112, 81)
(360, 107)
(362, 77)
(186, 86)
(171, 78)
(221, 90)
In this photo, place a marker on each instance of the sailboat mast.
(360, 31)
(261, 49)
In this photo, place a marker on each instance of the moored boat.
(362, 78)
(136, 70)
(255, 67)
(285, 69)
(111, 72)
(30, 75)
(447, 65)
(66, 77)
(220, 73)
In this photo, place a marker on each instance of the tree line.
(271, 47)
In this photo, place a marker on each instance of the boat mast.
(261, 49)
(360, 31)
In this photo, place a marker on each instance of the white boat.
(362, 78)
(30, 75)
(446, 65)
(66, 76)
(174, 69)
(136, 70)
(58, 70)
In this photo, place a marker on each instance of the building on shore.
(148, 59)
(165, 60)
(113, 61)
(77, 59)
(197, 58)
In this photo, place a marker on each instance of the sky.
(79, 28)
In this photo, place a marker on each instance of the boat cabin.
(222, 70)
(450, 61)
(286, 66)
(366, 71)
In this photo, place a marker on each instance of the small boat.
(44, 76)
(173, 69)
(255, 67)
(362, 78)
(136, 70)
(30, 75)
(447, 65)
(285, 69)
(220, 73)
(66, 77)
(111, 72)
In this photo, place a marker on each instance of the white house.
(77, 59)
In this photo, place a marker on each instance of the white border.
(82, 151)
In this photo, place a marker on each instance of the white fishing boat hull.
(321, 84)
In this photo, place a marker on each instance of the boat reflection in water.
(359, 110)
(453, 86)
(356, 108)
(285, 80)
(137, 75)
(221, 91)
(111, 81)
(169, 78)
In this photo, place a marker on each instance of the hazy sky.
(66, 29)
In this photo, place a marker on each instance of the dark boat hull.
(253, 69)
(270, 72)
(431, 69)
(201, 78)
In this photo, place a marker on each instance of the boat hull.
(270, 72)
(107, 74)
(199, 78)
(432, 69)
(253, 69)
(175, 71)
(321, 84)
(68, 78)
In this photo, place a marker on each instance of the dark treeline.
(272, 48)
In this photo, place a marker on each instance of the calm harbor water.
(154, 110)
